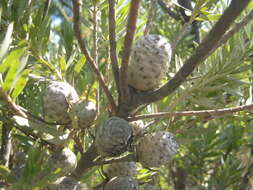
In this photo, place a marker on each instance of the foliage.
(38, 45)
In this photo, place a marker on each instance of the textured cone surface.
(56, 100)
(64, 159)
(85, 112)
(67, 183)
(121, 169)
(156, 149)
(149, 62)
(122, 183)
(137, 127)
(113, 137)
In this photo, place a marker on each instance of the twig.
(131, 28)
(217, 112)
(167, 10)
(209, 44)
(112, 38)
(19, 111)
(11, 105)
(76, 12)
(85, 162)
(127, 158)
(6, 145)
(150, 17)
(235, 29)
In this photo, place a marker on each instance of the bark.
(6, 145)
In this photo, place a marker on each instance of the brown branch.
(6, 145)
(216, 112)
(128, 43)
(11, 105)
(86, 162)
(209, 44)
(113, 45)
(151, 13)
(167, 10)
(77, 30)
(235, 29)
(127, 158)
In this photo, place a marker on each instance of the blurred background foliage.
(37, 44)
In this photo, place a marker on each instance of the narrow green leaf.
(16, 66)
(4, 171)
(7, 41)
(10, 59)
(79, 64)
(63, 64)
(21, 83)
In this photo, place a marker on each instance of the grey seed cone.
(156, 149)
(113, 137)
(56, 99)
(64, 159)
(121, 169)
(67, 183)
(122, 183)
(149, 62)
(85, 111)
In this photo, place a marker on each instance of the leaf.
(20, 84)
(16, 66)
(7, 40)
(11, 57)
(4, 172)
(80, 63)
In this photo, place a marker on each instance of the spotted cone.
(149, 62)
(113, 137)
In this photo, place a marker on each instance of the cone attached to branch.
(122, 183)
(57, 99)
(113, 137)
(156, 149)
(149, 62)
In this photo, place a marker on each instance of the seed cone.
(67, 183)
(64, 159)
(156, 149)
(137, 127)
(149, 62)
(113, 137)
(85, 112)
(56, 99)
(122, 183)
(121, 169)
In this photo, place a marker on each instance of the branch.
(127, 158)
(77, 30)
(216, 112)
(209, 44)
(131, 28)
(85, 162)
(151, 13)
(235, 29)
(167, 10)
(113, 45)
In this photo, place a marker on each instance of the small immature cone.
(64, 159)
(156, 149)
(56, 99)
(137, 127)
(113, 137)
(85, 111)
(121, 169)
(67, 183)
(149, 62)
(122, 183)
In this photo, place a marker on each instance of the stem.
(131, 28)
(6, 144)
(113, 45)
(93, 64)
(217, 112)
